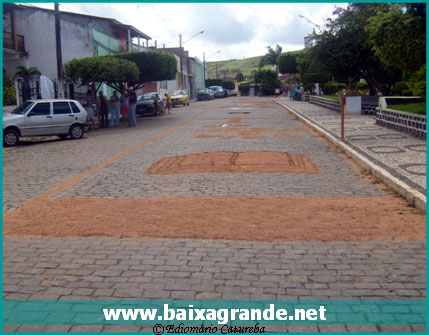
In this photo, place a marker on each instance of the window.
(62, 108)
(23, 108)
(75, 108)
(42, 108)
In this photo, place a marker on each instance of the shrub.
(417, 83)
(362, 85)
(330, 88)
(244, 89)
(419, 89)
(333, 87)
(401, 88)
(214, 82)
(9, 97)
(269, 81)
(341, 86)
(229, 85)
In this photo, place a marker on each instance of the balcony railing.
(8, 42)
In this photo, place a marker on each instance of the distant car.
(146, 103)
(61, 117)
(218, 91)
(204, 95)
(179, 97)
(232, 93)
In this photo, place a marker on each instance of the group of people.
(123, 105)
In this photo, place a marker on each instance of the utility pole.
(181, 56)
(216, 72)
(59, 51)
(181, 62)
(204, 62)
(204, 68)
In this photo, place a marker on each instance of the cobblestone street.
(48, 257)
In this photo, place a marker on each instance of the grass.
(417, 108)
(246, 66)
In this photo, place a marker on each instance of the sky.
(238, 30)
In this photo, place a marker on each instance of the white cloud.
(237, 30)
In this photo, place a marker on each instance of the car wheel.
(10, 137)
(188, 103)
(63, 136)
(76, 131)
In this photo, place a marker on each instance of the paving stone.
(150, 268)
(128, 293)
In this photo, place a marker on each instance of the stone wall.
(406, 122)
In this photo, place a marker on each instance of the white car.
(62, 117)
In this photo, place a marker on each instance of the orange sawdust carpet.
(234, 218)
(235, 162)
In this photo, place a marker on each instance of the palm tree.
(26, 73)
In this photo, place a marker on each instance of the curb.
(414, 197)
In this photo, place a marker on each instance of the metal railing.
(9, 44)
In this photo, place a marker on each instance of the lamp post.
(204, 64)
(181, 54)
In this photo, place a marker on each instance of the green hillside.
(246, 66)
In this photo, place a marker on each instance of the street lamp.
(204, 64)
(180, 51)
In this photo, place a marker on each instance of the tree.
(115, 70)
(268, 79)
(239, 77)
(26, 74)
(287, 63)
(110, 70)
(271, 56)
(344, 50)
(153, 65)
(398, 36)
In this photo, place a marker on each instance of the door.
(62, 117)
(38, 120)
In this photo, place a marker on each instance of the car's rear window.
(147, 97)
(41, 108)
(62, 107)
(75, 108)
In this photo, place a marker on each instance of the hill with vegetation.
(246, 66)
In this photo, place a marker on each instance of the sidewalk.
(397, 158)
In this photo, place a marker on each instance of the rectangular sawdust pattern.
(234, 218)
(244, 131)
(234, 162)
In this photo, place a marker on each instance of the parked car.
(211, 93)
(61, 117)
(179, 97)
(232, 93)
(218, 91)
(204, 95)
(146, 103)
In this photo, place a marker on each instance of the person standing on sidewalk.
(114, 105)
(132, 111)
(87, 104)
(125, 106)
(168, 106)
(104, 112)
